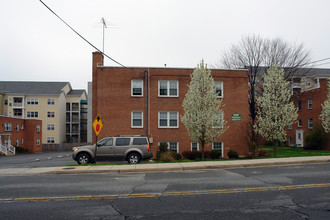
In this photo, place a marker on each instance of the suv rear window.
(122, 141)
(140, 141)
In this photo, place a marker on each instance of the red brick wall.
(29, 133)
(112, 100)
(318, 96)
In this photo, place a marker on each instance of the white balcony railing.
(18, 104)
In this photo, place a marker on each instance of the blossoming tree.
(325, 113)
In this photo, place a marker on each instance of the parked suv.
(130, 148)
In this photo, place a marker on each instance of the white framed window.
(217, 122)
(310, 103)
(17, 127)
(31, 101)
(38, 128)
(50, 101)
(194, 146)
(299, 123)
(50, 127)
(22, 126)
(137, 119)
(22, 141)
(32, 114)
(6, 142)
(218, 145)
(137, 87)
(299, 105)
(50, 140)
(290, 127)
(168, 119)
(310, 123)
(308, 82)
(50, 114)
(219, 88)
(7, 126)
(168, 88)
(38, 142)
(172, 145)
(17, 143)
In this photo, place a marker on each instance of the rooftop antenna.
(104, 26)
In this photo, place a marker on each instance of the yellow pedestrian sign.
(97, 125)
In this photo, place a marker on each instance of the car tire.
(133, 158)
(83, 158)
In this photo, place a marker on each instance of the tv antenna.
(104, 26)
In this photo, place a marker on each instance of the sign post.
(97, 125)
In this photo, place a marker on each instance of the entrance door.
(300, 138)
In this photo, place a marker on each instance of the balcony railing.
(18, 104)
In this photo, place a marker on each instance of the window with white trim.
(194, 146)
(218, 145)
(38, 142)
(137, 87)
(299, 123)
(50, 114)
(168, 119)
(17, 127)
(38, 128)
(32, 114)
(22, 141)
(299, 105)
(22, 126)
(217, 122)
(7, 126)
(168, 88)
(31, 101)
(17, 143)
(308, 82)
(310, 103)
(290, 127)
(50, 101)
(137, 119)
(50, 140)
(310, 123)
(219, 88)
(172, 146)
(50, 127)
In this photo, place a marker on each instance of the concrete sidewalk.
(159, 167)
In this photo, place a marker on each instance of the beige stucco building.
(46, 101)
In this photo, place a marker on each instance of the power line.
(82, 36)
(319, 60)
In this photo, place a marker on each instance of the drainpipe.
(146, 101)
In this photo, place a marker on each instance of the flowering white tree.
(275, 109)
(203, 116)
(325, 113)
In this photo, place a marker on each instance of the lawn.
(294, 152)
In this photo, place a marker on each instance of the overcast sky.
(36, 46)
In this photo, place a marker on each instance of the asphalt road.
(282, 192)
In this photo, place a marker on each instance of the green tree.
(325, 113)
(276, 110)
(203, 116)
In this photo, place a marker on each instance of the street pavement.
(156, 167)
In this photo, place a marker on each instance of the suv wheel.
(83, 158)
(134, 158)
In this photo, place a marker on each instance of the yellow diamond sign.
(97, 125)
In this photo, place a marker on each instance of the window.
(51, 101)
(38, 128)
(172, 146)
(17, 127)
(219, 88)
(122, 141)
(310, 123)
(194, 146)
(310, 103)
(137, 119)
(22, 141)
(38, 142)
(168, 88)
(168, 119)
(6, 142)
(308, 82)
(290, 127)
(31, 101)
(50, 140)
(299, 123)
(17, 143)
(299, 105)
(290, 141)
(140, 141)
(137, 87)
(22, 126)
(105, 142)
(217, 146)
(217, 122)
(31, 114)
(50, 114)
(6, 102)
(50, 127)
(7, 126)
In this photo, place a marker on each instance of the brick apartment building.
(309, 108)
(148, 101)
(25, 133)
